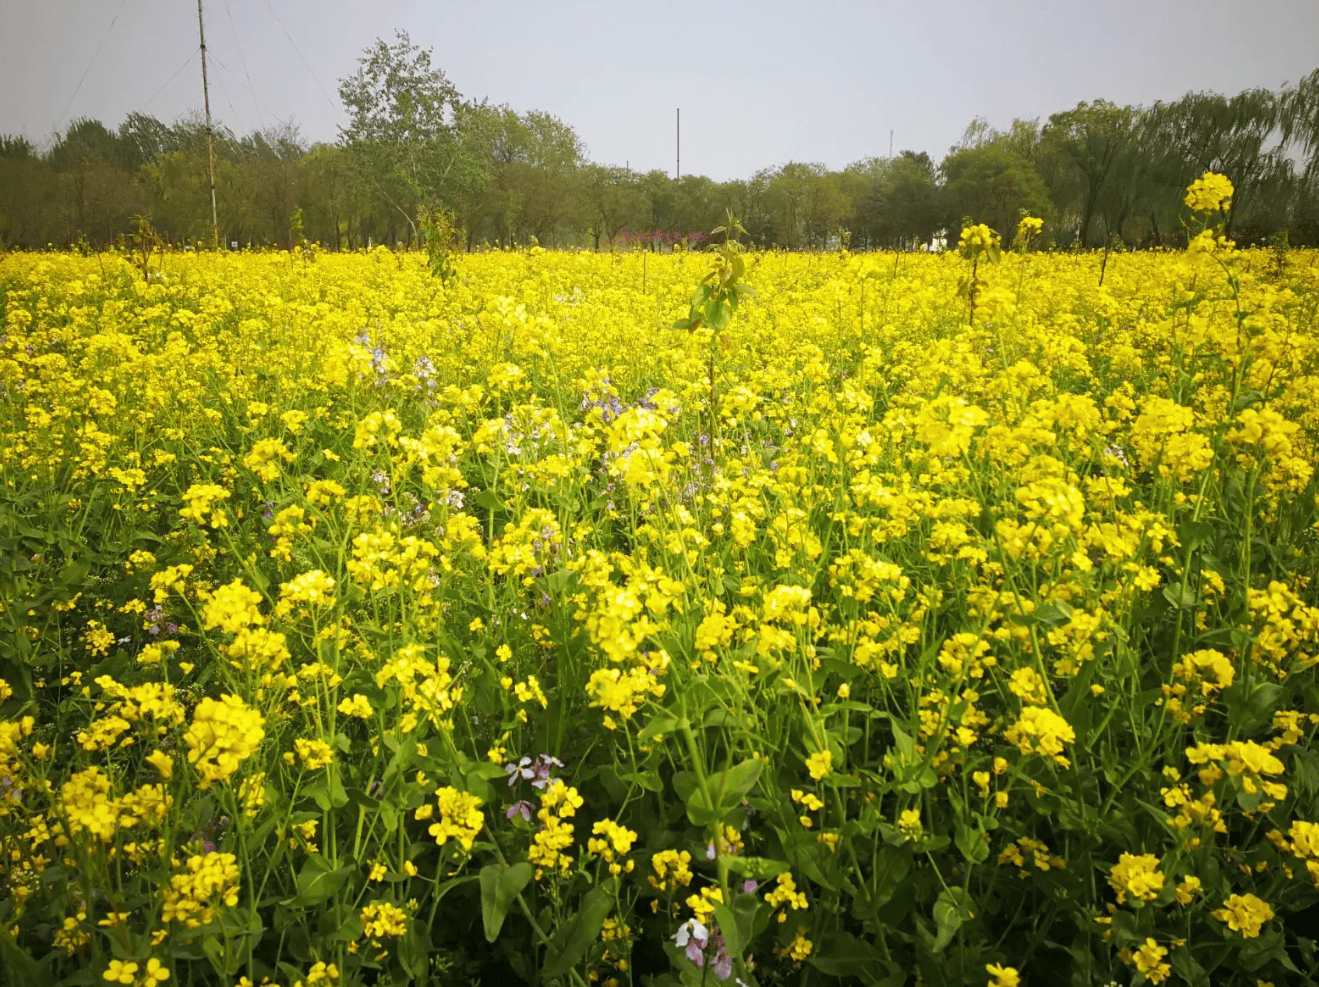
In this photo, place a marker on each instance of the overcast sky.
(758, 83)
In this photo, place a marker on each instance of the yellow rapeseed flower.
(1244, 913)
(1209, 193)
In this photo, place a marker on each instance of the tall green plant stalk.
(716, 300)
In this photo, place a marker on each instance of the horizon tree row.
(1098, 174)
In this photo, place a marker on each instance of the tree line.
(1098, 173)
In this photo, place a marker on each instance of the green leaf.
(328, 791)
(751, 916)
(721, 718)
(499, 889)
(953, 907)
(1245, 399)
(684, 783)
(1192, 533)
(489, 500)
(477, 777)
(757, 868)
(728, 927)
(843, 955)
(317, 882)
(716, 314)
(73, 573)
(738, 923)
(839, 780)
(916, 782)
(699, 809)
(906, 746)
(663, 723)
(613, 784)
(813, 860)
(222, 962)
(485, 771)
(1075, 705)
(414, 951)
(972, 843)
(649, 780)
(734, 785)
(22, 967)
(578, 936)
(1251, 712)
(1180, 596)
(1186, 967)
(1305, 772)
(556, 581)
(1053, 613)
(349, 931)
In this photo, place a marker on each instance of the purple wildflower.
(520, 771)
(520, 808)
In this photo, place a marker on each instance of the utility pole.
(677, 172)
(890, 145)
(210, 145)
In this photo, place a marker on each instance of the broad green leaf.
(734, 785)
(757, 868)
(952, 908)
(661, 724)
(972, 843)
(1245, 399)
(699, 809)
(1053, 613)
(1192, 533)
(499, 889)
(733, 941)
(223, 960)
(1185, 966)
(1180, 596)
(578, 935)
(414, 951)
(841, 954)
(22, 967)
(1250, 712)
(649, 780)
(917, 782)
(906, 746)
(317, 882)
(327, 791)
(684, 783)
(751, 916)
(486, 771)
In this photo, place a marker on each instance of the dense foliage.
(1098, 173)
(899, 619)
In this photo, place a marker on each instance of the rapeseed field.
(938, 619)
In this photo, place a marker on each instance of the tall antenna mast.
(210, 146)
(890, 143)
(677, 171)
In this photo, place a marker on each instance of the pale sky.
(759, 83)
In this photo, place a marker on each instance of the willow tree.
(408, 128)
(1091, 139)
